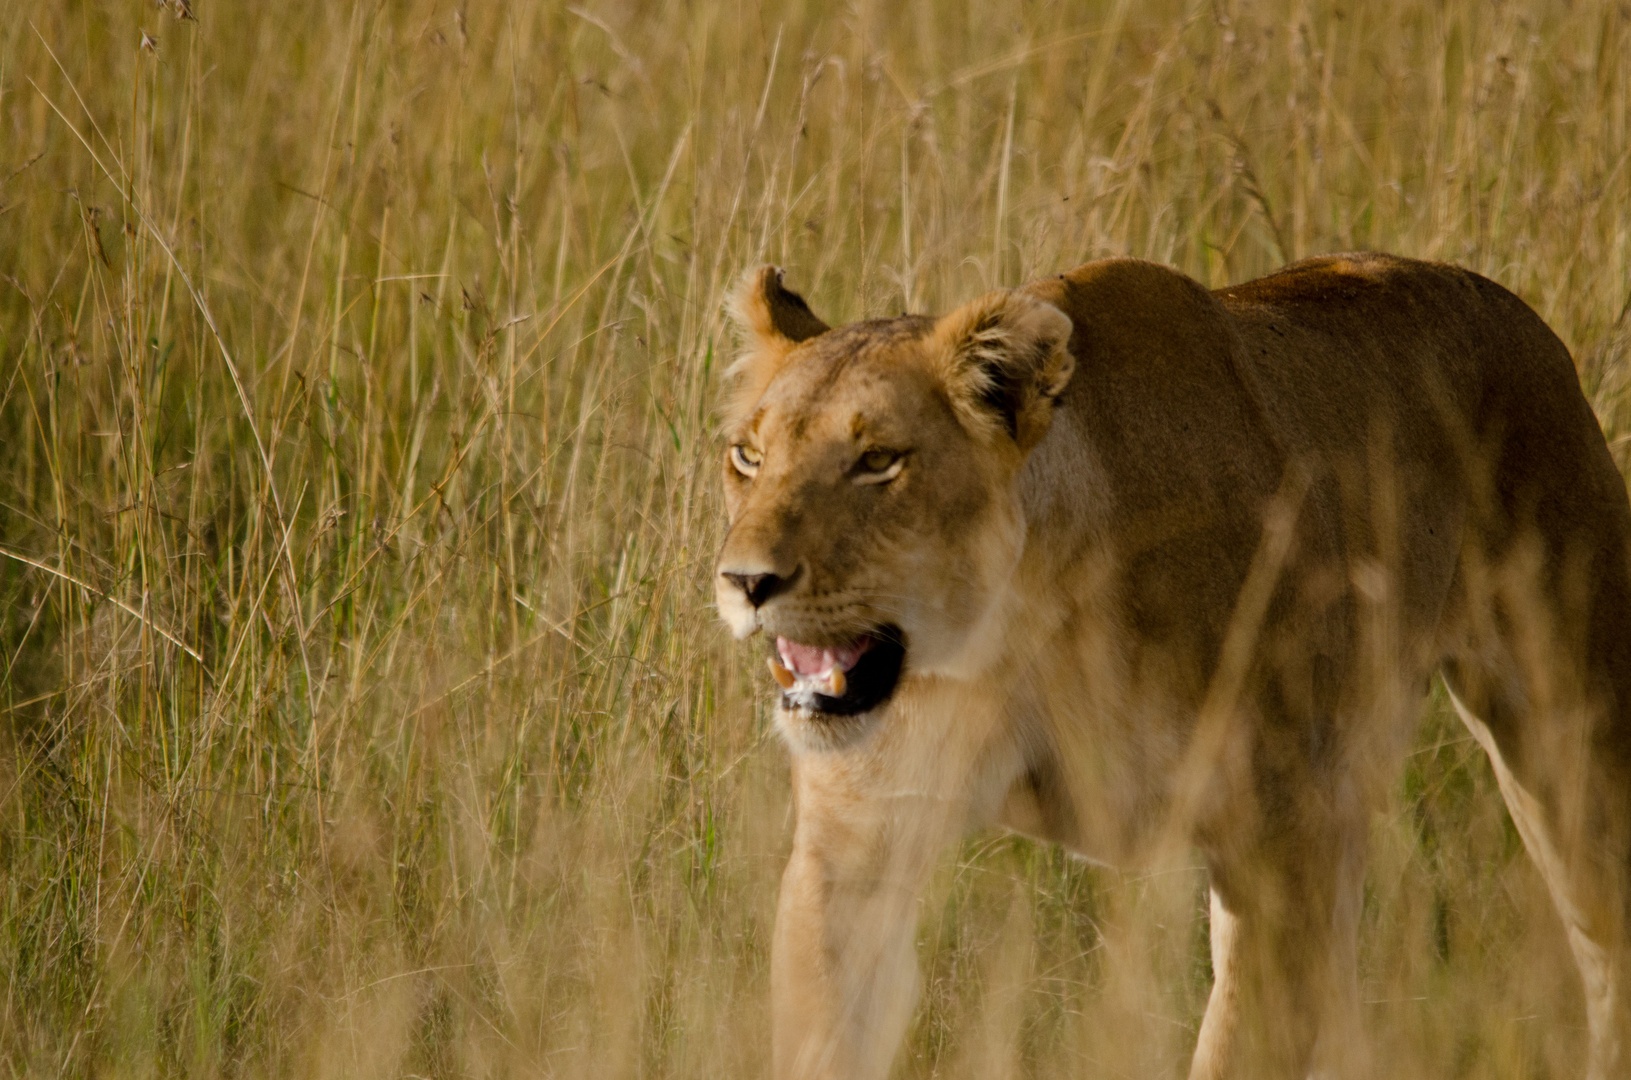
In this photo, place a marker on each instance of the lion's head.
(870, 483)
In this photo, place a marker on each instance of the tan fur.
(1176, 567)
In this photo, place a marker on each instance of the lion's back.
(1471, 382)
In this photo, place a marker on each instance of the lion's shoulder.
(1126, 293)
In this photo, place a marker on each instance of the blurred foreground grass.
(364, 714)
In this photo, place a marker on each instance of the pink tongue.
(814, 660)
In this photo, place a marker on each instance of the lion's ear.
(1005, 359)
(771, 319)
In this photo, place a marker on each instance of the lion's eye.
(879, 466)
(745, 459)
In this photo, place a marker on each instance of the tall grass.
(364, 710)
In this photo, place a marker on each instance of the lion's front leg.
(844, 975)
(872, 821)
(1284, 1001)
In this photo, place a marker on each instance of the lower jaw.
(809, 731)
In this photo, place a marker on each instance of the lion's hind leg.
(1568, 788)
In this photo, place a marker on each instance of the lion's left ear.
(1005, 359)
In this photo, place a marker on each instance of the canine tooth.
(838, 682)
(783, 676)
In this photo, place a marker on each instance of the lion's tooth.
(838, 682)
(783, 676)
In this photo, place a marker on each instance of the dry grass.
(365, 714)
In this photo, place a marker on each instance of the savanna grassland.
(364, 711)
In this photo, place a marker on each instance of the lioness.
(1111, 559)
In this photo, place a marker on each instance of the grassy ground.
(364, 712)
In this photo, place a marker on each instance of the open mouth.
(840, 680)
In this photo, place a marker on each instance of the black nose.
(758, 587)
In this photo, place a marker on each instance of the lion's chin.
(846, 679)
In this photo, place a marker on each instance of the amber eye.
(879, 466)
(745, 459)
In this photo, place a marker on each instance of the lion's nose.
(758, 587)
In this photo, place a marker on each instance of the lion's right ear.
(771, 320)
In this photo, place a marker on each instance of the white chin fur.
(801, 697)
